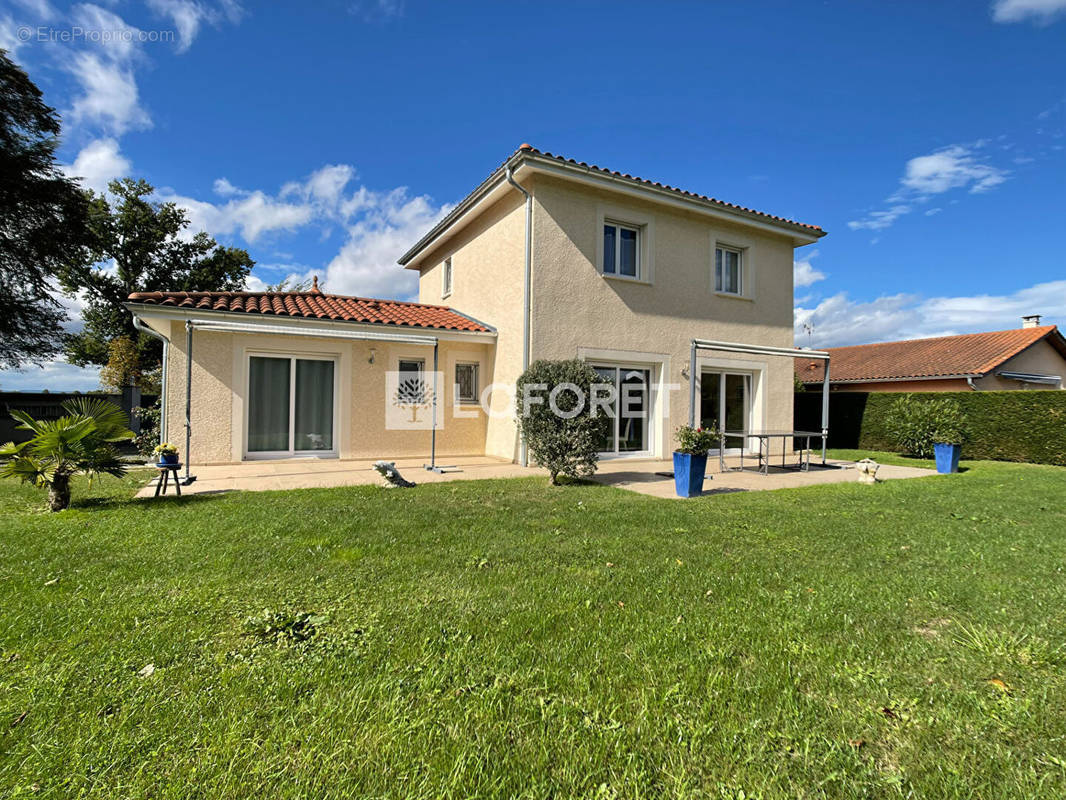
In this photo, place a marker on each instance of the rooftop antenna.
(809, 330)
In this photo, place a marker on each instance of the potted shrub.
(690, 459)
(948, 436)
(929, 428)
(166, 453)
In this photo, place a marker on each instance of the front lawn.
(505, 639)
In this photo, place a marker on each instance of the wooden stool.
(165, 471)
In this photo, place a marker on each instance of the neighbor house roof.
(969, 355)
(528, 153)
(317, 305)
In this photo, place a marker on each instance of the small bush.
(565, 443)
(917, 424)
(148, 438)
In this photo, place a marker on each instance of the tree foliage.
(139, 244)
(917, 424)
(80, 442)
(567, 443)
(43, 230)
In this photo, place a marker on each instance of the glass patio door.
(724, 401)
(628, 434)
(290, 406)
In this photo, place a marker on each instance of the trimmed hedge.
(1003, 426)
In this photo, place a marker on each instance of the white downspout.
(523, 456)
(970, 383)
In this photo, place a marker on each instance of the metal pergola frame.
(764, 350)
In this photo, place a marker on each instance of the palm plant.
(80, 442)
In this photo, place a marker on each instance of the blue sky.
(929, 139)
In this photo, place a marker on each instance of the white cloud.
(1041, 11)
(251, 214)
(104, 71)
(98, 163)
(932, 212)
(954, 167)
(366, 264)
(950, 168)
(879, 220)
(838, 320)
(188, 16)
(803, 274)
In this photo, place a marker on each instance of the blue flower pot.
(947, 457)
(168, 458)
(689, 471)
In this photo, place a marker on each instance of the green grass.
(505, 639)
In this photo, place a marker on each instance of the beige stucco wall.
(578, 312)
(219, 400)
(488, 261)
(1039, 359)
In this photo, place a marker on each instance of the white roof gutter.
(226, 326)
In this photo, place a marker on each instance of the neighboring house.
(548, 258)
(1030, 357)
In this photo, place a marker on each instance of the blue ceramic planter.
(168, 458)
(689, 471)
(947, 458)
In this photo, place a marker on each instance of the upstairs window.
(621, 250)
(447, 289)
(727, 270)
(466, 383)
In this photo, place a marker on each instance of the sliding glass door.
(630, 411)
(724, 401)
(290, 406)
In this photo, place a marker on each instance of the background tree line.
(57, 238)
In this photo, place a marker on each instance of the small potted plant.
(690, 459)
(166, 453)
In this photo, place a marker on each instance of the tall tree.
(139, 244)
(43, 216)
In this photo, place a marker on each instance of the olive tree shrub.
(559, 421)
(917, 424)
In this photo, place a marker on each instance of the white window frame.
(633, 219)
(447, 278)
(617, 270)
(412, 360)
(477, 382)
(291, 452)
(719, 280)
(737, 243)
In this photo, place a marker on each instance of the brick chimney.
(1031, 321)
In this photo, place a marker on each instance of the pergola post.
(825, 409)
(692, 386)
(188, 399)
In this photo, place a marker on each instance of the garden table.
(764, 438)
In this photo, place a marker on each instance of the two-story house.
(548, 258)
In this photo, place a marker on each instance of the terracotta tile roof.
(316, 305)
(970, 354)
(525, 151)
(528, 148)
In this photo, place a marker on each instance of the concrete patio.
(644, 476)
